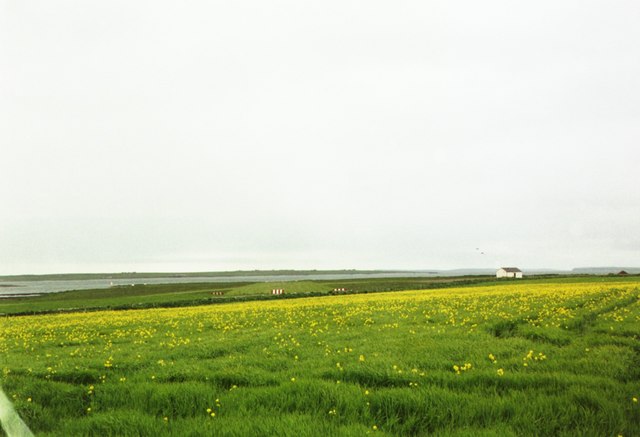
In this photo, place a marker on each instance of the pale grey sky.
(210, 135)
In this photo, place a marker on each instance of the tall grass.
(515, 359)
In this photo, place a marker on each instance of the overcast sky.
(217, 135)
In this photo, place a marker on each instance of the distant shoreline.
(299, 273)
(143, 275)
(19, 295)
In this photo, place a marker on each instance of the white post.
(11, 422)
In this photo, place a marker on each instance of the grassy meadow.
(189, 294)
(548, 358)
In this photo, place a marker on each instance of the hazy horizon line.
(258, 270)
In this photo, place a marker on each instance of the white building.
(509, 272)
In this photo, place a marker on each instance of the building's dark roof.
(622, 272)
(511, 269)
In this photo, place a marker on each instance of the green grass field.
(188, 294)
(543, 357)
